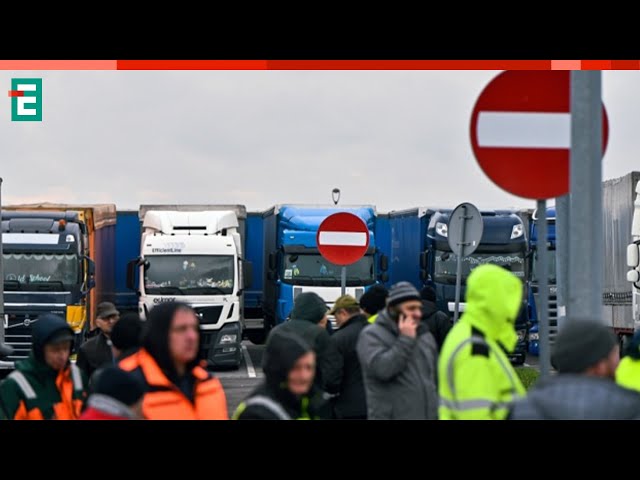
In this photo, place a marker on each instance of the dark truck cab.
(46, 269)
(503, 243)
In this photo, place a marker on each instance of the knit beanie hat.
(309, 306)
(580, 345)
(373, 300)
(116, 383)
(402, 292)
(127, 332)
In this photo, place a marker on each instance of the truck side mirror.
(423, 260)
(272, 261)
(632, 255)
(271, 275)
(91, 283)
(247, 273)
(384, 277)
(633, 276)
(91, 266)
(423, 274)
(131, 273)
(384, 263)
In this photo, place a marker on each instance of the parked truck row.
(241, 271)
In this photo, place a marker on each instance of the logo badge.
(26, 99)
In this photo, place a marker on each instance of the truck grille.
(17, 333)
(209, 315)
(553, 313)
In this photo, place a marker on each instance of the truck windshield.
(312, 269)
(22, 269)
(551, 258)
(189, 274)
(446, 263)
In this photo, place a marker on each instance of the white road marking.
(247, 359)
(525, 364)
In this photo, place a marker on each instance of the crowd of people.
(394, 356)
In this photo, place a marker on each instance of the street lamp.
(335, 195)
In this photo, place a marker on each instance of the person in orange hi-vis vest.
(45, 386)
(177, 387)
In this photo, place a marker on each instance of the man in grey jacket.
(586, 356)
(399, 360)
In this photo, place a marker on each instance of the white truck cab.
(195, 257)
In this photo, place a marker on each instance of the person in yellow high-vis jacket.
(373, 300)
(476, 379)
(628, 371)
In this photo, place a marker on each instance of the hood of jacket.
(578, 397)
(156, 337)
(282, 351)
(493, 301)
(44, 330)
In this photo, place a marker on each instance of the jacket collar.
(154, 374)
(358, 318)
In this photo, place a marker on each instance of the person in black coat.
(309, 321)
(350, 400)
(288, 391)
(438, 322)
(96, 352)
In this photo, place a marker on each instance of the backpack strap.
(273, 407)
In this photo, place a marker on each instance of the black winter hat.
(402, 292)
(127, 332)
(116, 383)
(580, 345)
(374, 299)
(156, 336)
(428, 293)
(309, 306)
(282, 351)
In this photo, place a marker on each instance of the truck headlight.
(442, 229)
(228, 338)
(521, 335)
(534, 337)
(517, 231)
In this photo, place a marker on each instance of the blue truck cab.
(534, 346)
(420, 254)
(294, 264)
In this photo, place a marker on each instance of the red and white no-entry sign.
(343, 238)
(521, 132)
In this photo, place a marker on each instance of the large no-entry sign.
(343, 238)
(521, 132)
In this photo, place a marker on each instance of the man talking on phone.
(399, 359)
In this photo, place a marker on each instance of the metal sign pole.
(586, 258)
(562, 257)
(456, 310)
(343, 281)
(543, 294)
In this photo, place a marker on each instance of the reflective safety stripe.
(472, 404)
(459, 405)
(24, 384)
(269, 404)
(76, 377)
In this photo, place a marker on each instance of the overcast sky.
(393, 139)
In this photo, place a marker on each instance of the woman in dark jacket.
(288, 392)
